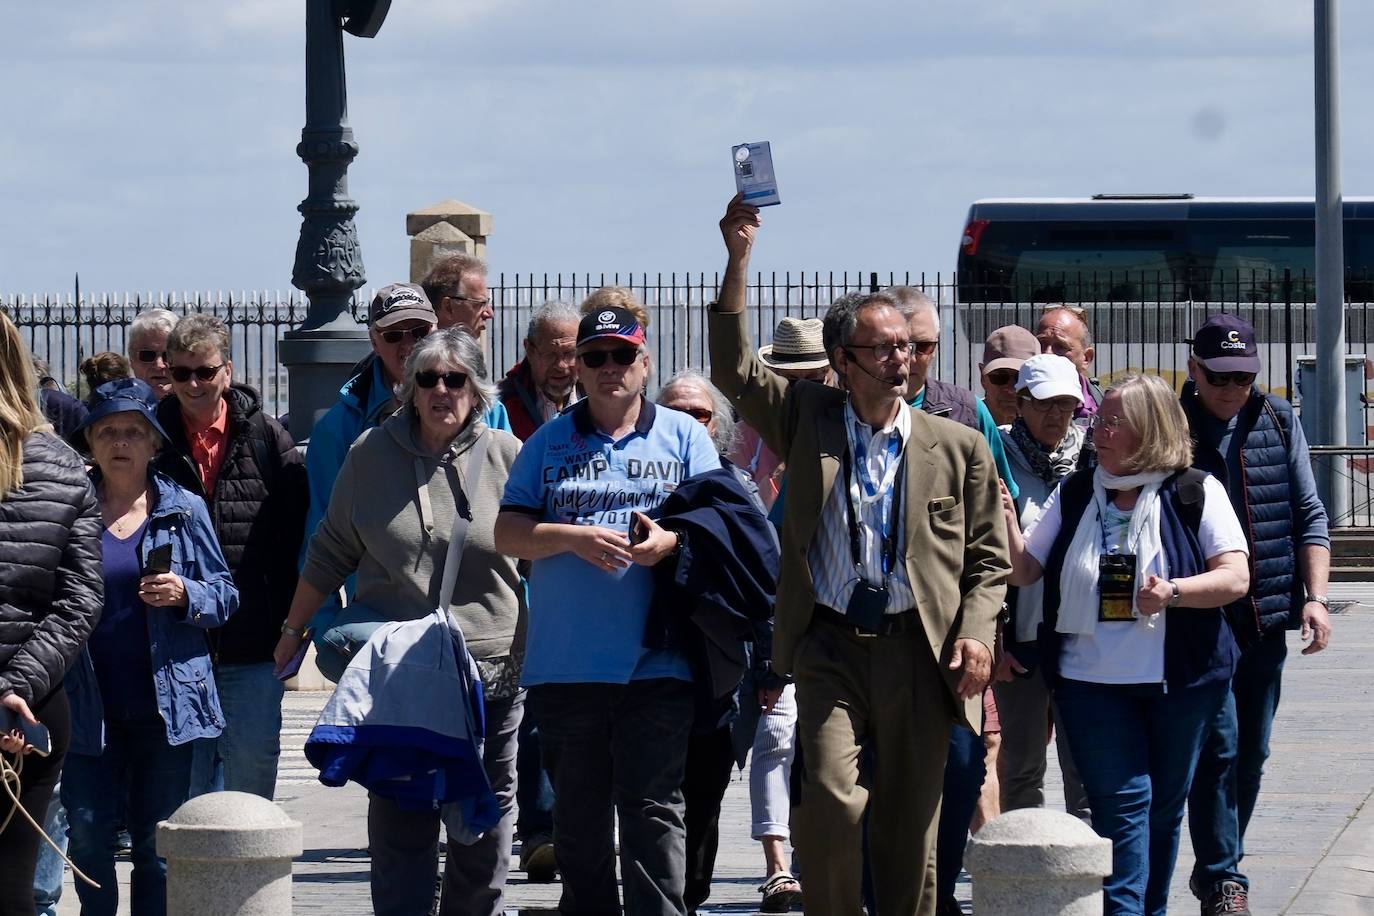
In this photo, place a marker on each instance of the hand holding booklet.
(754, 178)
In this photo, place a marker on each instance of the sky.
(150, 145)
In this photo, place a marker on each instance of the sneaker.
(537, 859)
(1229, 899)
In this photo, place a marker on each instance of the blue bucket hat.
(118, 396)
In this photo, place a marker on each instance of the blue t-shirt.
(586, 625)
(119, 644)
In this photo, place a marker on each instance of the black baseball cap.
(1226, 343)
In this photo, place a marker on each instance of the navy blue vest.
(1199, 647)
(1265, 509)
(950, 402)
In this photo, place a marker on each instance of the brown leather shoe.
(1229, 899)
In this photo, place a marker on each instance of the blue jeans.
(243, 758)
(151, 777)
(1227, 782)
(47, 877)
(617, 748)
(534, 792)
(965, 770)
(1136, 747)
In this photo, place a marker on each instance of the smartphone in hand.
(639, 532)
(35, 735)
(159, 561)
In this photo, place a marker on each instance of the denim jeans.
(1136, 747)
(617, 748)
(964, 773)
(243, 758)
(1227, 782)
(151, 777)
(47, 877)
(405, 844)
(533, 792)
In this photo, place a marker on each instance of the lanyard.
(887, 520)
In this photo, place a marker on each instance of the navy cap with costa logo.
(1226, 343)
(610, 324)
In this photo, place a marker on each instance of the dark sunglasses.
(151, 356)
(700, 414)
(1001, 377)
(923, 347)
(204, 373)
(395, 337)
(1220, 379)
(595, 359)
(453, 381)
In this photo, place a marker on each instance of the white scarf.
(1078, 595)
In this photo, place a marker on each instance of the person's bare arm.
(526, 537)
(1314, 562)
(1025, 569)
(1227, 579)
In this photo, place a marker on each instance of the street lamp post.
(329, 261)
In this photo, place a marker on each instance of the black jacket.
(258, 508)
(51, 583)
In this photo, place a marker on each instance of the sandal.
(780, 893)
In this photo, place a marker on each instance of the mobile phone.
(159, 560)
(639, 532)
(293, 666)
(36, 735)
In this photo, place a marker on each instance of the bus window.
(1245, 260)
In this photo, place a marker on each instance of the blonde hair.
(1152, 409)
(19, 413)
(617, 297)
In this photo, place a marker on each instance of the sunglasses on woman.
(1220, 379)
(595, 359)
(700, 414)
(395, 337)
(204, 373)
(426, 378)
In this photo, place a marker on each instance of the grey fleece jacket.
(377, 524)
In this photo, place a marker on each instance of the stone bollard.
(229, 854)
(1034, 862)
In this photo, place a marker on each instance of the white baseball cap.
(1047, 375)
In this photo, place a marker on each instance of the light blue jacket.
(183, 677)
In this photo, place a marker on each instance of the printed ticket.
(754, 176)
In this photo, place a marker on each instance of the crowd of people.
(888, 593)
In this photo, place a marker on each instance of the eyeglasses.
(395, 337)
(1001, 377)
(150, 356)
(1220, 379)
(1055, 405)
(922, 347)
(700, 414)
(481, 302)
(885, 351)
(623, 356)
(128, 433)
(204, 373)
(1108, 424)
(427, 378)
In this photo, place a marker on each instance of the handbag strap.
(462, 516)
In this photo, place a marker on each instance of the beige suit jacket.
(956, 557)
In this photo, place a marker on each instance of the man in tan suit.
(894, 561)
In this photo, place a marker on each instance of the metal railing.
(1351, 468)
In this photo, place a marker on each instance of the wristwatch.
(293, 631)
(1321, 599)
(1177, 596)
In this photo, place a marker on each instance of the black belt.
(892, 623)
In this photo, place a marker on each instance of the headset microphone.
(891, 383)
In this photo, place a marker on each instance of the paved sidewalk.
(1311, 843)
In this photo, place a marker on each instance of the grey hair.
(842, 318)
(160, 321)
(197, 332)
(724, 436)
(911, 300)
(548, 313)
(456, 347)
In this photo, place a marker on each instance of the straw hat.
(797, 344)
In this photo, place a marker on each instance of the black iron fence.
(1130, 334)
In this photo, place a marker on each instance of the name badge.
(1116, 588)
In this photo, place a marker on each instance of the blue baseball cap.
(1226, 343)
(120, 395)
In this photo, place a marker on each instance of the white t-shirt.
(1132, 652)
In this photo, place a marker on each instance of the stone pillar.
(1034, 862)
(442, 230)
(229, 854)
